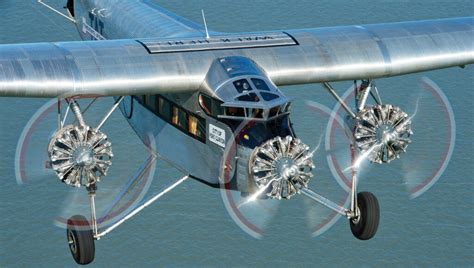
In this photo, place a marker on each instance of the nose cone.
(84, 156)
(282, 165)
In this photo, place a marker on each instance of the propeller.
(428, 109)
(118, 193)
(425, 131)
(435, 130)
(274, 164)
(429, 118)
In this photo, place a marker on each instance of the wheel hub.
(72, 242)
(84, 156)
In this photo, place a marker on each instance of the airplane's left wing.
(152, 66)
(107, 68)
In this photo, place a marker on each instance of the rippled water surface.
(191, 226)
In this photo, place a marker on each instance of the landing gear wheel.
(80, 239)
(365, 226)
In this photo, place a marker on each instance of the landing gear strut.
(81, 234)
(380, 134)
(81, 156)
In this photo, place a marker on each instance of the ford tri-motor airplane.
(211, 102)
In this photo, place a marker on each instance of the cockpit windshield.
(253, 133)
(252, 106)
(218, 109)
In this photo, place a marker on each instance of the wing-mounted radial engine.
(81, 155)
(380, 132)
(281, 166)
(267, 160)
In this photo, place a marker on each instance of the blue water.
(191, 226)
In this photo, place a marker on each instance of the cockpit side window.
(210, 106)
(260, 84)
(242, 85)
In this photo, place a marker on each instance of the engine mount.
(382, 133)
(80, 155)
(282, 165)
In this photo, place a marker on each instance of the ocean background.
(190, 227)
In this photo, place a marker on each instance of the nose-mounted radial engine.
(280, 166)
(271, 160)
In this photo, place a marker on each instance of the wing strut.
(140, 208)
(57, 11)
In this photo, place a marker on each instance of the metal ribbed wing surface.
(127, 67)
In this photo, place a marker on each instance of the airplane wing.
(152, 66)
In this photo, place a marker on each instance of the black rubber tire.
(80, 240)
(368, 222)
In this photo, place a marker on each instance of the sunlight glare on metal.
(254, 197)
(362, 157)
(318, 146)
(413, 115)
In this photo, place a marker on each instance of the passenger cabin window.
(150, 102)
(179, 117)
(196, 126)
(185, 121)
(242, 85)
(164, 108)
(260, 84)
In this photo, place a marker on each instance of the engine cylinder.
(382, 133)
(80, 155)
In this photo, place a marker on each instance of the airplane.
(211, 100)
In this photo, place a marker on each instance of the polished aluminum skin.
(129, 67)
(150, 59)
(123, 19)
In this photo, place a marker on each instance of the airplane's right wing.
(152, 66)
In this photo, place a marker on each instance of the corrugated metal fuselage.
(109, 19)
(165, 54)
